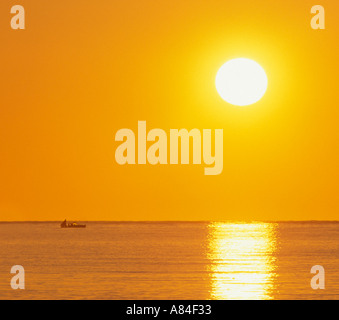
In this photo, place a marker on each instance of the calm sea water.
(170, 260)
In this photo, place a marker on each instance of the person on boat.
(64, 224)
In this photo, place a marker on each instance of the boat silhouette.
(65, 224)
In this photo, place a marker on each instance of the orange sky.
(80, 72)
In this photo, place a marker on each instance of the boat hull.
(77, 226)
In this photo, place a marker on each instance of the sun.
(241, 82)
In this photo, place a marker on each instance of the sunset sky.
(82, 70)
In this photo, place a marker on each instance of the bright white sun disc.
(241, 82)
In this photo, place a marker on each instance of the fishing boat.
(65, 224)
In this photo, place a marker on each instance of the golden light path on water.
(242, 260)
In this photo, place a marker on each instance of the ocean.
(170, 260)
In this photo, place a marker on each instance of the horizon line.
(125, 221)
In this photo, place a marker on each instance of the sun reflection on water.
(242, 262)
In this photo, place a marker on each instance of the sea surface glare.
(170, 260)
